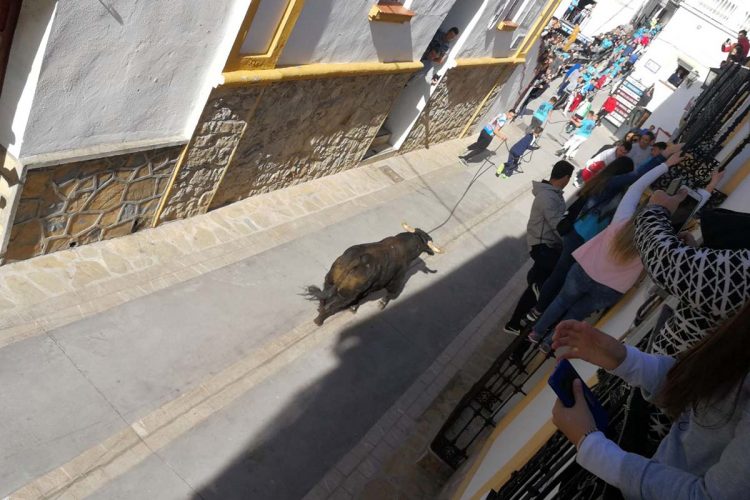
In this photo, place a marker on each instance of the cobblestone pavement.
(180, 361)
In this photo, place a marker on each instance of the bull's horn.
(407, 227)
(434, 247)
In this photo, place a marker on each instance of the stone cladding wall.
(454, 101)
(74, 204)
(305, 129)
(214, 141)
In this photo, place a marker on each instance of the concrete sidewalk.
(182, 361)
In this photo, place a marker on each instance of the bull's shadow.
(378, 356)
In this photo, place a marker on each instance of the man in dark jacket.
(505, 170)
(547, 210)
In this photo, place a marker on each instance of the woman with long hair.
(606, 266)
(589, 199)
(591, 213)
(706, 393)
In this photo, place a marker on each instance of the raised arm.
(714, 281)
(629, 203)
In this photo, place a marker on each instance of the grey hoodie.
(547, 211)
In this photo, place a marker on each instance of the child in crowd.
(610, 104)
(505, 170)
(585, 128)
(540, 116)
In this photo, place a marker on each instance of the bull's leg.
(393, 290)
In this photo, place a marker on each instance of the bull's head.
(428, 245)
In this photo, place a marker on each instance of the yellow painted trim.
(536, 30)
(172, 180)
(739, 176)
(238, 61)
(234, 55)
(501, 79)
(313, 71)
(513, 464)
(488, 61)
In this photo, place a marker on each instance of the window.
(505, 11)
(526, 21)
(265, 30)
(267, 18)
(9, 10)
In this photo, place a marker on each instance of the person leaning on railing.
(711, 284)
(705, 391)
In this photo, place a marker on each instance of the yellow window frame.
(536, 30)
(238, 61)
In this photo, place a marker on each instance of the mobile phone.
(686, 209)
(674, 186)
(561, 381)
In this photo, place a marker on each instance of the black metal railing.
(553, 470)
(478, 410)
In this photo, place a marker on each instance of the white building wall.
(512, 89)
(688, 36)
(118, 73)
(338, 31)
(609, 14)
(486, 41)
(22, 73)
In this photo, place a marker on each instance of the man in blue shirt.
(539, 118)
(585, 128)
(487, 133)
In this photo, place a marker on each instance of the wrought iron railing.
(553, 471)
(478, 410)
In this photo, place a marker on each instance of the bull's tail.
(314, 293)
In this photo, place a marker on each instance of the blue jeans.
(579, 297)
(554, 282)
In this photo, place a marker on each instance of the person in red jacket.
(609, 105)
(737, 51)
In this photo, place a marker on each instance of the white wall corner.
(213, 76)
(24, 67)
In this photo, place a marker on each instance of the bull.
(364, 269)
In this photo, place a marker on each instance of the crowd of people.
(608, 60)
(586, 256)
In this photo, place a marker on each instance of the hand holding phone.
(561, 381)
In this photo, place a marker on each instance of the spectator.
(737, 51)
(526, 142)
(536, 91)
(641, 150)
(610, 104)
(585, 128)
(606, 267)
(588, 200)
(437, 51)
(706, 452)
(679, 269)
(598, 162)
(487, 133)
(540, 116)
(677, 77)
(547, 210)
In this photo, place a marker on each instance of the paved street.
(218, 385)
